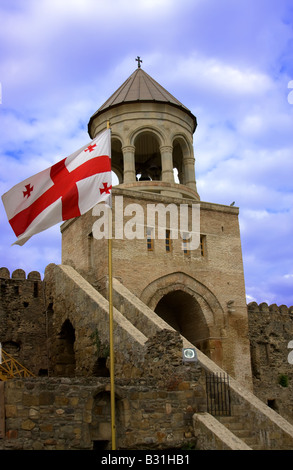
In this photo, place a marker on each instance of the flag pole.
(112, 382)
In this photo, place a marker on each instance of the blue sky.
(230, 62)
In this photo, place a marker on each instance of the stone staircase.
(236, 432)
(252, 423)
(235, 425)
(211, 434)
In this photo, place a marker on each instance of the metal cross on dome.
(138, 59)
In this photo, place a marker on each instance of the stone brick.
(46, 428)
(12, 434)
(34, 413)
(61, 401)
(46, 398)
(30, 400)
(161, 436)
(28, 425)
(183, 386)
(10, 411)
(50, 442)
(73, 401)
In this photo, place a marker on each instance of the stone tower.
(200, 292)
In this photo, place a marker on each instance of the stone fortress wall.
(22, 319)
(160, 402)
(24, 332)
(270, 331)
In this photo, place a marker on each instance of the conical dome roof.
(140, 87)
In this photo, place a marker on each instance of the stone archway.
(190, 308)
(181, 311)
(147, 156)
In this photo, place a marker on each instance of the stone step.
(225, 438)
(234, 424)
(243, 433)
(231, 422)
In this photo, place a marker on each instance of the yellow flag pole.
(112, 381)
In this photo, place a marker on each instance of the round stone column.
(129, 175)
(189, 172)
(167, 163)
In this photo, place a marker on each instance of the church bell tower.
(152, 137)
(199, 292)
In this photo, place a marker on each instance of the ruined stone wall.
(153, 411)
(73, 413)
(22, 319)
(28, 321)
(270, 330)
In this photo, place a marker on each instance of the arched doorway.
(191, 308)
(181, 311)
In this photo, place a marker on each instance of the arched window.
(179, 147)
(147, 157)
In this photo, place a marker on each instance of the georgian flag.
(66, 190)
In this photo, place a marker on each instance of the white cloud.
(290, 94)
(218, 76)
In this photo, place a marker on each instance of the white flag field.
(64, 191)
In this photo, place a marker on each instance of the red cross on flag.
(66, 190)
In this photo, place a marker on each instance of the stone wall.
(23, 320)
(74, 413)
(156, 393)
(152, 412)
(26, 331)
(270, 330)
